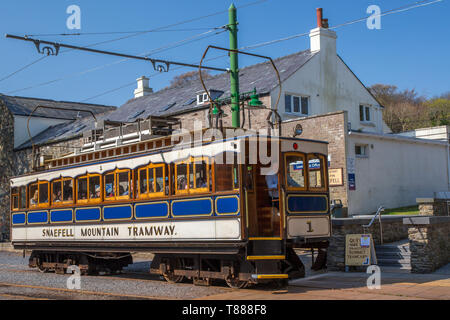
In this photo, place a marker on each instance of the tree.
(187, 77)
(403, 110)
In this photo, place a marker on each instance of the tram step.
(270, 276)
(265, 247)
(267, 257)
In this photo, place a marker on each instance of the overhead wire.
(126, 37)
(388, 12)
(176, 44)
(408, 7)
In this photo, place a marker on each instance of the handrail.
(377, 214)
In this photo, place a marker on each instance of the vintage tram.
(203, 216)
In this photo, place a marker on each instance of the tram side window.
(82, 189)
(193, 176)
(295, 171)
(315, 172)
(43, 193)
(14, 198)
(200, 171)
(123, 184)
(94, 187)
(182, 175)
(153, 181)
(110, 189)
(143, 182)
(23, 198)
(34, 195)
(68, 190)
(159, 179)
(57, 191)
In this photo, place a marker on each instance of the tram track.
(77, 292)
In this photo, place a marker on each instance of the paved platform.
(351, 286)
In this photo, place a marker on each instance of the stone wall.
(330, 127)
(11, 164)
(433, 207)
(14, 163)
(393, 230)
(429, 243)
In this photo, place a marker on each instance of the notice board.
(359, 250)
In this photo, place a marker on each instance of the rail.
(377, 214)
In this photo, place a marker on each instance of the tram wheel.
(169, 276)
(235, 283)
(40, 266)
(42, 269)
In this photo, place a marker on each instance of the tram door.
(264, 216)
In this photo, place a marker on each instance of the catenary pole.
(234, 67)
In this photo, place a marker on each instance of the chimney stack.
(323, 39)
(142, 87)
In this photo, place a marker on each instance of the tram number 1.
(310, 229)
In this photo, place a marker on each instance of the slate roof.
(260, 76)
(23, 106)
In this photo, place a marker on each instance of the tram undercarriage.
(259, 261)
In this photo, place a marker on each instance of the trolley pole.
(234, 67)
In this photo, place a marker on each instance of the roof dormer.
(202, 96)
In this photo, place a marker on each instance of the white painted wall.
(37, 125)
(396, 171)
(331, 86)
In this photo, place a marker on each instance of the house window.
(364, 113)
(361, 150)
(296, 104)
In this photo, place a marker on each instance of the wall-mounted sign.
(351, 181)
(336, 177)
(359, 250)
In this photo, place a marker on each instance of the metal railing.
(377, 214)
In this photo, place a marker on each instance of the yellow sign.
(335, 177)
(359, 250)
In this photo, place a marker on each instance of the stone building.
(18, 120)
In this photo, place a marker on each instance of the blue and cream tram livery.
(203, 216)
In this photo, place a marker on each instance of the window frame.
(300, 98)
(149, 194)
(115, 173)
(88, 199)
(323, 171)
(82, 201)
(30, 197)
(366, 149)
(105, 198)
(15, 194)
(128, 196)
(23, 190)
(45, 204)
(192, 162)
(366, 110)
(305, 172)
(62, 203)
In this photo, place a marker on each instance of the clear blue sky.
(410, 51)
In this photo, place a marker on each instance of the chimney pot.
(319, 12)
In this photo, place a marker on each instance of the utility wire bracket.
(160, 66)
(51, 50)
